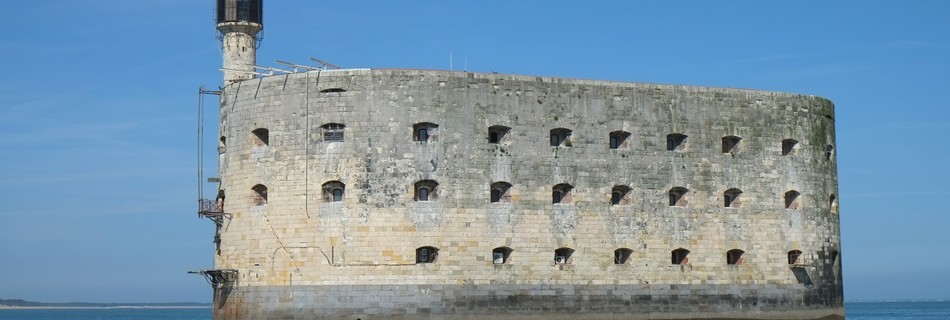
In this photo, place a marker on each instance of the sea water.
(930, 310)
(107, 314)
(920, 310)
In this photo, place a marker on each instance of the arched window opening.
(333, 132)
(789, 146)
(676, 142)
(260, 195)
(425, 132)
(501, 255)
(834, 256)
(622, 255)
(425, 190)
(561, 137)
(729, 144)
(561, 194)
(500, 192)
(795, 257)
(793, 200)
(222, 145)
(734, 257)
(426, 254)
(829, 151)
(678, 197)
(333, 191)
(261, 137)
(498, 134)
(680, 256)
(731, 198)
(619, 195)
(563, 255)
(618, 139)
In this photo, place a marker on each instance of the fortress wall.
(328, 257)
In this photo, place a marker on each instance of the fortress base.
(527, 302)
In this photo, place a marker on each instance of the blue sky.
(98, 114)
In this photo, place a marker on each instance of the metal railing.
(206, 206)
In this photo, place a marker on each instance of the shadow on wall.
(802, 276)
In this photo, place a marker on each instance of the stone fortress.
(411, 194)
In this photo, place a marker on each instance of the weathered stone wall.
(329, 259)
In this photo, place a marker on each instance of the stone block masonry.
(454, 195)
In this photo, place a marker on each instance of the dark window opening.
(793, 200)
(561, 193)
(619, 195)
(261, 137)
(678, 197)
(497, 134)
(563, 256)
(788, 146)
(734, 257)
(333, 90)
(675, 142)
(333, 191)
(425, 132)
(243, 10)
(221, 11)
(680, 256)
(501, 255)
(731, 198)
(618, 139)
(422, 134)
(222, 145)
(829, 151)
(560, 137)
(500, 192)
(425, 190)
(260, 195)
(729, 143)
(333, 132)
(794, 257)
(426, 254)
(622, 255)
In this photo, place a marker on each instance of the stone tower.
(239, 22)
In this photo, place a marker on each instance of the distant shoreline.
(115, 307)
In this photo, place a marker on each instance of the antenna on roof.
(326, 65)
(272, 70)
(297, 66)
